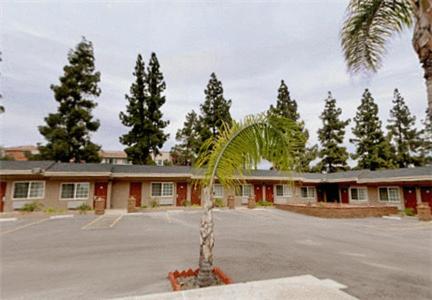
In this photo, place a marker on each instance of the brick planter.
(131, 205)
(231, 202)
(424, 212)
(173, 276)
(99, 206)
(251, 202)
(339, 210)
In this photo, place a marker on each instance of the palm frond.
(368, 26)
(241, 146)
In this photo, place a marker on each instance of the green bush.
(30, 207)
(409, 212)
(196, 205)
(50, 210)
(219, 202)
(83, 208)
(143, 206)
(186, 203)
(154, 203)
(264, 203)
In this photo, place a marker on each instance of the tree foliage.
(368, 26)
(403, 135)
(215, 111)
(185, 152)
(333, 155)
(143, 113)
(287, 108)
(68, 130)
(373, 150)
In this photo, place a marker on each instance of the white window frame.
(242, 190)
(75, 191)
(387, 188)
(162, 189)
(214, 191)
(358, 187)
(308, 193)
(28, 190)
(287, 190)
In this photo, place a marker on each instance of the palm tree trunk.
(422, 42)
(206, 240)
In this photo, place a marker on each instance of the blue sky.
(250, 45)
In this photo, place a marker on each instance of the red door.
(181, 193)
(101, 190)
(344, 195)
(135, 191)
(196, 195)
(2, 194)
(269, 192)
(258, 192)
(426, 195)
(410, 198)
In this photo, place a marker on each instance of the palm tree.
(238, 149)
(370, 23)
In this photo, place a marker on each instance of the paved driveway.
(88, 258)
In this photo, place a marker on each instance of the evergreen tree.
(333, 155)
(214, 111)
(143, 114)
(403, 135)
(287, 107)
(425, 148)
(68, 130)
(186, 151)
(373, 150)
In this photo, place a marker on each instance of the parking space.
(93, 257)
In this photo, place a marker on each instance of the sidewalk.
(305, 287)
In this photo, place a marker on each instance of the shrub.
(154, 203)
(30, 207)
(219, 202)
(50, 210)
(186, 203)
(196, 205)
(409, 212)
(264, 203)
(143, 206)
(83, 208)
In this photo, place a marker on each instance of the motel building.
(68, 185)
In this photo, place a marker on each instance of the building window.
(29, 190)
(218, 191)
(283, 190)
(162, 189)
(389, 194)
(243, 190)
(358, 194)
(75, 191)
(307, 192)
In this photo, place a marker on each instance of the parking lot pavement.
(375, 258)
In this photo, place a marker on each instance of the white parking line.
(116, 221)
(61, 217)
(7, 219)
(92, 222)
(24, 226)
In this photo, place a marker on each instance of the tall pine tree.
(287, 107)
(185, 152)
(426, 140)
(143, 115)
(214, 111)
(373, 150)
(68, 130)
(331, 136)
(403, 135)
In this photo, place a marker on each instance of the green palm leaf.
(241, 146)
(369, 24)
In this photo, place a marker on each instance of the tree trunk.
(206, 241)
(422, 42)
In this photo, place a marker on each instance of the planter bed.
(185, 280)
(339, 210)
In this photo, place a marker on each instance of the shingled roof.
(53, 168)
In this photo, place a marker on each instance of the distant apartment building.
(163, 158)
(20, 152)
(114, 157)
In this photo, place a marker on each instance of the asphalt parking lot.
(89, 257)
